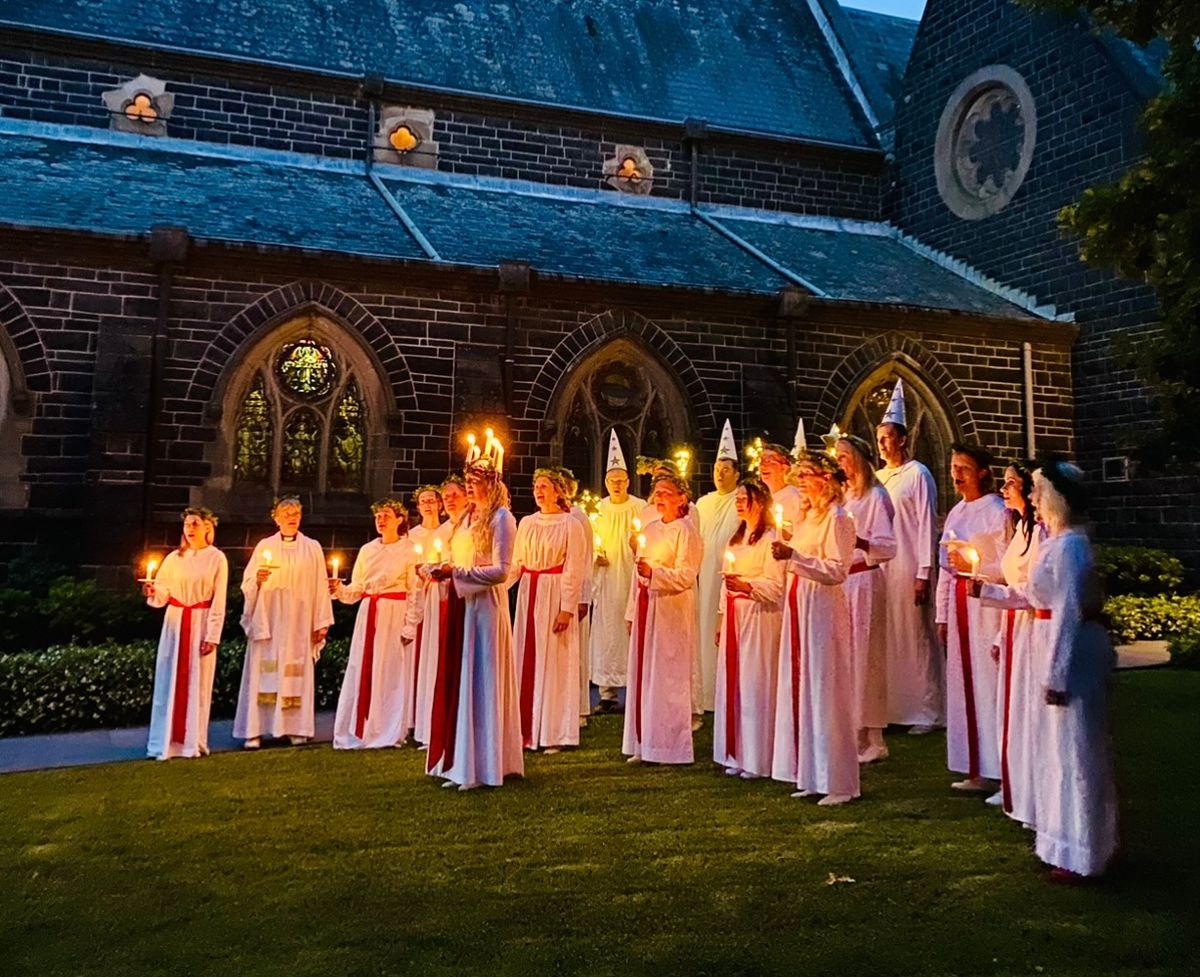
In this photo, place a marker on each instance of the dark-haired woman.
(1073, 660)
(973, 539)
(1018, 694)
(191, 584)
(750, 615)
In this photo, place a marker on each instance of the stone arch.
(24, 372)
(246, 329)
(580, 344)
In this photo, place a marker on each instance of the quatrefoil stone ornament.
(141, 105)
(629, 170)
(405, 137)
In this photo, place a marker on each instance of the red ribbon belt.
(1010, 623)
(643, 607)
(733, 688)
(443, 721)
(529, 659)
(368, 660)
(961, 587)
(863, 567)
(1042, 613)
(795, 633)
(183, 669)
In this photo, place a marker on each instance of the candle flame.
(267, 557)
(471, 438)
(151, 566)
(418, 549)
(637, 524)
(437, 547)
(729, 557)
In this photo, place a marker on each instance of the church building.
(305, 246)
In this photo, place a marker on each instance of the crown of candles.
(683, 461)
(486, 458)
(754, 452)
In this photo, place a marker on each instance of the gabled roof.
(73, 178)
(747, 65)
(880, 45)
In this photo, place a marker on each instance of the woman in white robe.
(747, 641)
(815, 715)
(191, 584)
(475, 734)
(1073, 660)
(870, 507)
(611, 578)
(1019, 694)
(551, 560)
(974, 538)
(375, 707)
(434, 546)
(286, 617)
(662, 631)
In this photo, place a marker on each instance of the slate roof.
(880, 44)
(755, 65)
(96, 182)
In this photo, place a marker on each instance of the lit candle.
(498, 454)
(637, 524)
(597, 541)
(641, 541)
(335, 561)
(730, 559)
(437, 551)
(473, 451)
(779, 516)
(266, 558)
(973, 556)
(151, 566)
(419, 550)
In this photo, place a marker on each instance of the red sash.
(1010, 621)
(961, 585)
(643, 606)
(529, 657)
(417, 659)
(795, 634)
(365, 670)
(863, 567)
(1043, 613)
(733, 688)
(183, 669)
(443, 722)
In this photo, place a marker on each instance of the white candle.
(336, 562)
(730, 559)
(779, 516)
(637, 524)
(151, 566)
(973, 556)
(641, 541)
(266, 558)
(437, 551)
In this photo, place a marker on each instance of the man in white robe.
(915, 676)
(718, 520)
(611, 576)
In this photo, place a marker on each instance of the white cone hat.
(895, 408)
(800, 445)
(727, 449)
(616, 459)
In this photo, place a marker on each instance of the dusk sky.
(900, 8)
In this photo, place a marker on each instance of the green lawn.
(303, 862)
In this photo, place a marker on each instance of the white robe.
(972, 737)
(1076, 798)
(183, 695)
(548, 663)
(748, 659)
(866, 592)
(584, 629)
(718, 520)
(609, 640)
(662, 644)
(381, 574)
(486, 720)
(1019, 695)
(816, 745)
(278, 683)
(915, 675)
(433, 596)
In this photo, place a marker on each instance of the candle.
(473, 451)
(335, 561)
(637, 524)
(730, 559)
(266, 558)
(597, 541)
(973, 556)
(779, 516)
(437, 551)
(641, 547)
(151, 566)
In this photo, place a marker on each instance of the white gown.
(550, 559)
(816, 744)
(583, 629)
(972, 733)
(476, 737)
(1018, 691)
(433, 600)
(1076, 798)
(866, 592)
(278, 681)
(718, 520)
(375, 707)
(915, 676)
(662, 644)
(747, 662)
(183, 678)
(609, 640)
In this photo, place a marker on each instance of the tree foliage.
(1146, 225)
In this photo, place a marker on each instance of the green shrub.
(80, 612)
(1134, 618)
(1137, 570)
(110, 685)
(1185, 651)
(22, 625)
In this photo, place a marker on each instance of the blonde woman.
(191, 584)
(815, 717)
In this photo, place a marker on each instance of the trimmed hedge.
(1185, 651)
(1134, 618)
(107, 686)
(1137, 570)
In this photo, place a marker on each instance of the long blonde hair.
(481, 523)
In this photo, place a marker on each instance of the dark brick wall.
(83, 451)
(1087, 133)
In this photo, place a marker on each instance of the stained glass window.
(307, 369)
(346, 441)
(301, 446)
(254, 436)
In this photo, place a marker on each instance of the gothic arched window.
(301, 422)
